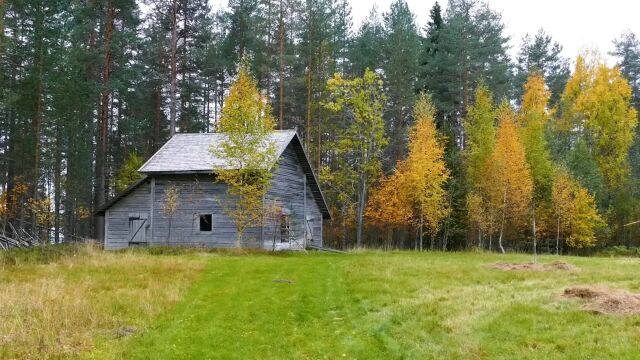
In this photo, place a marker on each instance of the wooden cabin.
(294, 206)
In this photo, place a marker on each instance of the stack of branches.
(10, 238)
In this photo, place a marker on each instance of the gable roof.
(120, 195)
(190, 153)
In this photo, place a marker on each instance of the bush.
(44, 254)
(620, 250)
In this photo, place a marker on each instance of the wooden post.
(152, 197)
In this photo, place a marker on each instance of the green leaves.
(129, 174)
(359, 145)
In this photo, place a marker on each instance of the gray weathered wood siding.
(117, 217)
(200, 194)
(314, 216)
(288, 192)
(197, 195)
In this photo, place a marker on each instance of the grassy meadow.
(361, 305)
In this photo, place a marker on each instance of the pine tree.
(400, 67)
(364, 52)
(542, 55)
(471, 47)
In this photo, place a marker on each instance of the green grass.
(366, 305)
(390, 306)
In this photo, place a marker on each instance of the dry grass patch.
(605, 300)
(61, 309)
(556, 265)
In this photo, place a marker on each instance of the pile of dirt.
(125, 331)
(605, 300)
(556, 265)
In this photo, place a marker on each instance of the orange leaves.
(415, 193)
(389, 205)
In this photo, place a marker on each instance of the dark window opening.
(205, 222)
(284, 228)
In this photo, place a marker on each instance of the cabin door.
(137, 228)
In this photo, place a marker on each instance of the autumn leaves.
(415, 193)
(520, 182)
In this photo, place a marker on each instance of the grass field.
(366, 305)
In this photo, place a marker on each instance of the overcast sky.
(576, 24)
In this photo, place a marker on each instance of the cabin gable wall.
(117, 218)
(290, 201)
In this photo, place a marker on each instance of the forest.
(423, 135)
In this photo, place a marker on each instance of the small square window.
(205, 222)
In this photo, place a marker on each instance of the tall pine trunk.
(103, 118)
(309, 101)
(281, 35)
(38, 116)
(2, 11)
(174, 71)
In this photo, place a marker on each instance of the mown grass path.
(378, 305)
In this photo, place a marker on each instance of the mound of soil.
(556, 265)
(606, 301)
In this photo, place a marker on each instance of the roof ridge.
(219, 133)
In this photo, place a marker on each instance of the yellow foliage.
(3, 205)
(533, 119)
(415, 193)
(597, 102)
(534, 101)
(426, 171)
(585, 219)
(247, 122)
(510, 184)
(575, 212)
(388, 205)
(41, 208)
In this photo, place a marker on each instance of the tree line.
(473, 147)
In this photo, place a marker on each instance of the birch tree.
(512, 186)
(358, 148)
(246, 122)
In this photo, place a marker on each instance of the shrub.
(620, 250)
(45, 254)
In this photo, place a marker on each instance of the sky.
(575, 24)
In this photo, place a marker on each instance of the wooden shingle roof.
(191, 153)
(188, 153)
